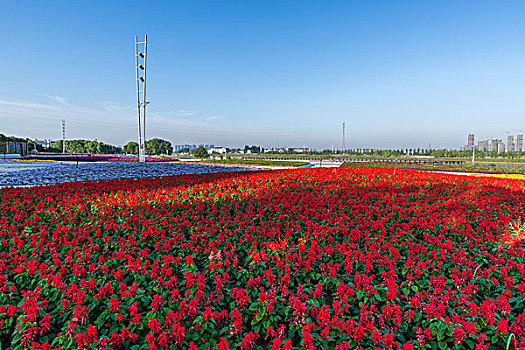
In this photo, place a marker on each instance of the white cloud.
(116, 123)
(114, 107)
(110, 121)
(55, 98)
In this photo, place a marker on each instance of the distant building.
(519, 142)
(493, 145)
(274, 150)
(364, 150)
(206, 146)
(483, 146)
(470, 142)
(501, 146)
(177, 148)
(496, 145)
(219, 150)
(510, 143)
(44, 143)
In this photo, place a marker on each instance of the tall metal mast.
(141, 94)
(343, 143)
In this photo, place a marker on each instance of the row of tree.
(439, 153)
(84, 146)
(72, 146)
(153, 147)
(199, 152)
(11, 138)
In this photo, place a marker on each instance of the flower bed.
(318, 258)
(441, 166)
(36, 173)
(506, 176)
(96, 158)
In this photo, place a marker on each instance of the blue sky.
(275, 73)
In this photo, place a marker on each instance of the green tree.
(39, 148)
(131, 148)
(91, 147)
(201, 152)
(252, 149)
(108, 149)
(56, 148)
(158, 146)
(76, 146)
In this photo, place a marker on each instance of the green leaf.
(16, 338)
(254, 306)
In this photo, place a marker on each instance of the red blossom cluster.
(292, 259)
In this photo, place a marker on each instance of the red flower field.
(352, 258)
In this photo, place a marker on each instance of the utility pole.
(141, 94)
(63, 136)
(343, 146)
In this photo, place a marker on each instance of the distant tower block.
(470, 143)
(511, 147)
(519, 143)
